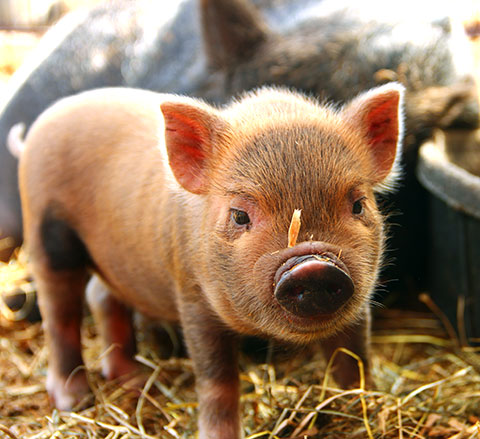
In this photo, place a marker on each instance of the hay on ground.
(426, 387)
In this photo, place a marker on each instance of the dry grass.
(426, 387)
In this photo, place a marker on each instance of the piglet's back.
(97, 161)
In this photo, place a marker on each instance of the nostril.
(313, 287)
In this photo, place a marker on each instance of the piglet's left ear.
(378, 115)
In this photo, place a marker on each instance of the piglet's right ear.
(191, 130)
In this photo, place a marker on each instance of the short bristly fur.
(143, 190)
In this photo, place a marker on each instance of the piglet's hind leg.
(114, 321)
(60, 301)
(59, 261)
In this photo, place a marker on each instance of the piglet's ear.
(191, 129)
(378, 114)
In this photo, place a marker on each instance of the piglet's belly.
(153, 298)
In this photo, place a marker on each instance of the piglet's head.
(251, 165)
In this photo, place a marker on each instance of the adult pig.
(217, 48)
(183, 211)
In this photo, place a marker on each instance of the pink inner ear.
(187, 141)
(382, 123)
(187, 135)
(383, 130)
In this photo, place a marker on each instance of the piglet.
(182, 212)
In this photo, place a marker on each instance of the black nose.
(313, 286)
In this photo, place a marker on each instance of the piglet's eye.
(357, 208)
(240, 217)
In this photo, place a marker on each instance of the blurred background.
(22, 24)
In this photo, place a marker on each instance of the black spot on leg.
(61, 243)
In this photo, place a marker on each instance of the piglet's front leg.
(213, 350)
(355, 339)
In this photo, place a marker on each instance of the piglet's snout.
(312, 286)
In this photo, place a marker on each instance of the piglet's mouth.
(313, 286)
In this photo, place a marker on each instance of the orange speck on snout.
(294, 228)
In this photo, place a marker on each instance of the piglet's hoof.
(118, 366)
(127, 372)
(68, 393)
